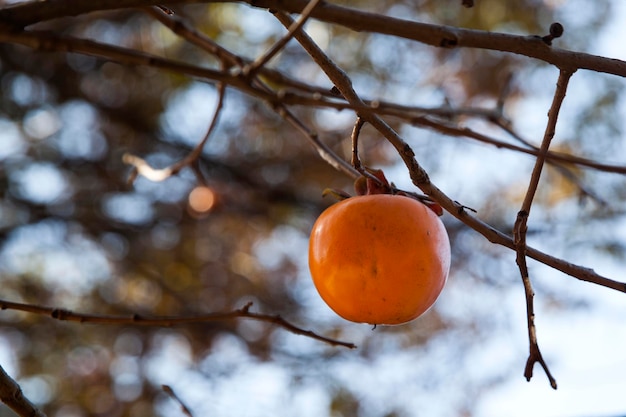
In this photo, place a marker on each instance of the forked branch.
(520, 227)
(420, 177)
(421, 180)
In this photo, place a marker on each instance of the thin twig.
(182, 28)
(326, 153)
(558, 166)
(520, 227)
(356, 131)
(28, 13)
(183, 407)
(141, 320)
(250, 69)
(453, 130)
(229, 59)
(48, 41)
(142, 167)
(553, 114)
(11, 394)
(416, 115)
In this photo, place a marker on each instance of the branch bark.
(140, 320)
(26, 14)
(11, 394)
(47, 41)
(420, 177)
(520, 228)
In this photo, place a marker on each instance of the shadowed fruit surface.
(379, 259)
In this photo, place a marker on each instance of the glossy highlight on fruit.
(379, 259)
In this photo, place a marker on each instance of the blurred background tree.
(80, 231)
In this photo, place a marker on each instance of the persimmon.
(379, 258)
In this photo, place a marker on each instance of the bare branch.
(49, 41)
(11, 394)
(356, 131)
(141, 167)
(453, 130)
(250, 69)
(451, 37)
(140, 320)
(553, 114)
(420, 177)
(275, 101)
(520, 228)
(169, 391)
(435, 35)
(189, 33)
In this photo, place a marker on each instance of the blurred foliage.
(76, 234)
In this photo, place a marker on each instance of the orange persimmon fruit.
(379, 258)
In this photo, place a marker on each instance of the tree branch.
(420, 177)
(11, 394)
(275, 100)
(520, 228)
(141, 167)
(29, 13)
(140, 320)
(250, 69)
(553, 115)
(46, 41)
(183, 407)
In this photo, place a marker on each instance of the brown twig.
(180, 27)
(49, 41)
(363, 170)
(230, 59)
(140, 320)
(11, 394)
(557, 165)
(416, 115)
(28, 13)
(453, 130)
(356, 131)
(169, 391)
(251, 68)
(520, 227)
(141, 167)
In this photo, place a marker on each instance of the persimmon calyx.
(377, 183)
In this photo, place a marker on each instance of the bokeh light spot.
(202, 200)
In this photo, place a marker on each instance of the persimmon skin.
(379, 259)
